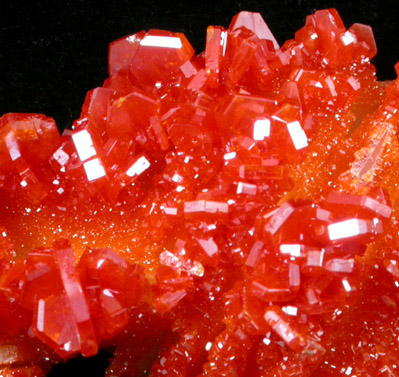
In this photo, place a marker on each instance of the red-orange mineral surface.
(232, 213)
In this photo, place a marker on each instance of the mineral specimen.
(232, 213)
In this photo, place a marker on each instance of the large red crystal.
(232, 213)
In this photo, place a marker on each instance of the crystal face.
(231, 213)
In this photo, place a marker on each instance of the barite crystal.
(231, 213)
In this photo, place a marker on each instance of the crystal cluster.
(231, 213)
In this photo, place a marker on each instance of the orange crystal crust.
(232, 213)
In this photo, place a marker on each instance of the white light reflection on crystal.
(94, 169)
(67, 346)
(290, 310)
(348, 38)
(344, 229)
(177, 178)
(197, 269)
(246, 188)
(292, 249)
(230, 156)
(205, 206)
(108, 292)
(340, 265)
(223, 41)
(297, 134)
(346, 285)
(161, 41)
(209, 246)
(131, 38)
(40, 316)
(61, 157)
(138, 167)
(170, 211)
(84, 145)
(266, 341)
(261, 129)
(12, 146)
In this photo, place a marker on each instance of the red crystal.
(255, 23)
(229, 213)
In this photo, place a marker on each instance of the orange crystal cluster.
(232, 213)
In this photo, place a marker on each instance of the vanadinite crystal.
(232, 213)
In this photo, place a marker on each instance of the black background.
(52, 53)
